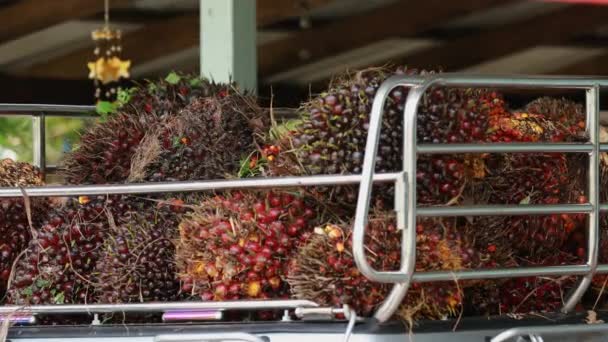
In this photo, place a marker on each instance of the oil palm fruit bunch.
(15, 232)
(530, 178)
(59, 262)
(565, 113)
(324, 270)
(172, 129)
(522, 295)
(332, 134)
(137, 260)
(237, 245)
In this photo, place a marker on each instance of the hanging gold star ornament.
(107, 69)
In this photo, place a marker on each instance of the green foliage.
(16, 135)
(173, 78)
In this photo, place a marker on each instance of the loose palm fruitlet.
(169, 131)
(324, 270)
(15, 231)
(237, 245)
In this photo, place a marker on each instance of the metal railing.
(405, 199)
(408, 211)
(38, 114)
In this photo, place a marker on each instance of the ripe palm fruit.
(236, 246)
(529, 178)
(324, 270)
(332, 134)
(15, 232)
(165, 131)
(567, 114)
(59, 262)
(137, 260)
(521, 295)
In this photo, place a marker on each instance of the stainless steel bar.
(550, 330)
(208, 337)
(190, 186)
(160, 307)
(408, 240)
(365, 186)
(592, 99)
(502, 210)
(508, 81)
(39, 141)
(505, 148)
(410, 149)
(602, 269)
(603, 147)
(423, 277)
(7, 109)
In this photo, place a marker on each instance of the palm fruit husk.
(169, 131)
(15, 230)
(58, 265)
(324, 270)
(137, 261)
(236, 245)
(332, 132)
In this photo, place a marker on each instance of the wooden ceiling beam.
(594, 66)
(555, 27)
(161, 38)
(28, 16)
(404, 18)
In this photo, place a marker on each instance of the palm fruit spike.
(15, 232)
(235, 246)
(137, 263)
(324, 269)
(332, 135)
(58, 264)
(163, 132)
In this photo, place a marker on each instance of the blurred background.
(45, 46)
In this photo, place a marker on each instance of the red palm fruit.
(252, 262)
(332, 132)
(164, 134)
(324, 272)
(58, 265)
(15, 232)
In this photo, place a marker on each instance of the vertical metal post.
(228, 41)
(592, 98)
(38, 141)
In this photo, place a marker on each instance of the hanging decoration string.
(107, 69)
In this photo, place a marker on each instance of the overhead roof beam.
(403, 18)
(162, 38)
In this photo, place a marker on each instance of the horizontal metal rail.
(159, 307)
(505, 148)
(550, 330)
(209, 337)
(503, 210)
(546, 271)
(192, 186)
(9, 109)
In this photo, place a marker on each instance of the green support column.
(228, 41)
